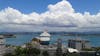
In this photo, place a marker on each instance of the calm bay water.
(24, 38)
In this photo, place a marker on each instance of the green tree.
(8, 54)
(64, 54)
(45, 53)
(33, 52)
(28, 51)
(18, 51)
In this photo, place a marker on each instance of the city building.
(2, 45)
(78, 44)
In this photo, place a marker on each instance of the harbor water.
(24, 38)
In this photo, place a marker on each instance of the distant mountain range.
(73, 33)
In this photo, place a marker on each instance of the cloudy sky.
(53, 15)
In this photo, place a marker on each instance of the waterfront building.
(78, 44)
(2, 45)
(44, 38)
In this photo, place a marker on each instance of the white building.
(2, 45)
(78, 44)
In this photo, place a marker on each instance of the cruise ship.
(44, 38)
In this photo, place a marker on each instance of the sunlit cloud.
(58, 16)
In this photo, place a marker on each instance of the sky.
(53, 15)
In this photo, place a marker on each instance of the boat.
(9, 36)
(44, 38)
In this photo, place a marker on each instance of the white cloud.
(61, 7)
(60, 16)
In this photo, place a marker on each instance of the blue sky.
(54, 15)
(28, 6)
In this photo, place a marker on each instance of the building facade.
(78, 44)
(2, 45)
